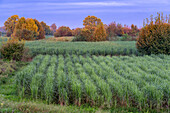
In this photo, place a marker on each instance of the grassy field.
(51, 47)
(82, 48)
(141, 82)
(86, 77)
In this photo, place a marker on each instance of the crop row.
(98, 81)
(82, 48)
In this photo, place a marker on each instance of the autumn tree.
(76, 31)
(63, 31)
(92, 25)
(154, 37)
(41, 32)
(10, 24)
(100, 33)
(126, 29)
(91, 22)
(46, 28)
(111, 30)
(134, 30)
(53, 27)
(119, 30)
(25, 29)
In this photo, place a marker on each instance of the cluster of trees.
(117, 30)
(63, 31)
(26, 28)
(93, 30)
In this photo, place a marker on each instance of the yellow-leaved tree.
(10, 24)
(100, 33)
(92, 25)
(26, 29)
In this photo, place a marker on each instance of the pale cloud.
(15, 5)
(94, 4)
(153, 1)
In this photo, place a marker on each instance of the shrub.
(13, 49)
(125, 37)
(154, 37)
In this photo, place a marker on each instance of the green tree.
(46, 28)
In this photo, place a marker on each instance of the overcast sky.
(72, 12)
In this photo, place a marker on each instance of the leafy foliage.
(41, 32)
(93, 25)
(100, 33)
(154, 37)
(13, 49)
(46, 28)
(53, 27)
(63, 31)
(116, 30)
(10, 24)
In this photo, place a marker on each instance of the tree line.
(93, 30)
(26, 28)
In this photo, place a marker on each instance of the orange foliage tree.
(53, 27)
(41, 32)
(77, 32)
(100, 33)
(10, 24)
(63, 31)
(46, 28)
(154, 37)
(92, 24)
(25, 29)
(111, 30)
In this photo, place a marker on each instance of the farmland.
(82, 48)
(110, 74)
(141, 82)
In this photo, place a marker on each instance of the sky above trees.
(72, 12)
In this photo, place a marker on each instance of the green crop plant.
(97, 80)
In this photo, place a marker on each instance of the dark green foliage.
(13, 50)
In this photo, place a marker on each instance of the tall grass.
(98, 81)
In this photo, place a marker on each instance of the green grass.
(105, 82)
(82, 48)
(74, 77)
